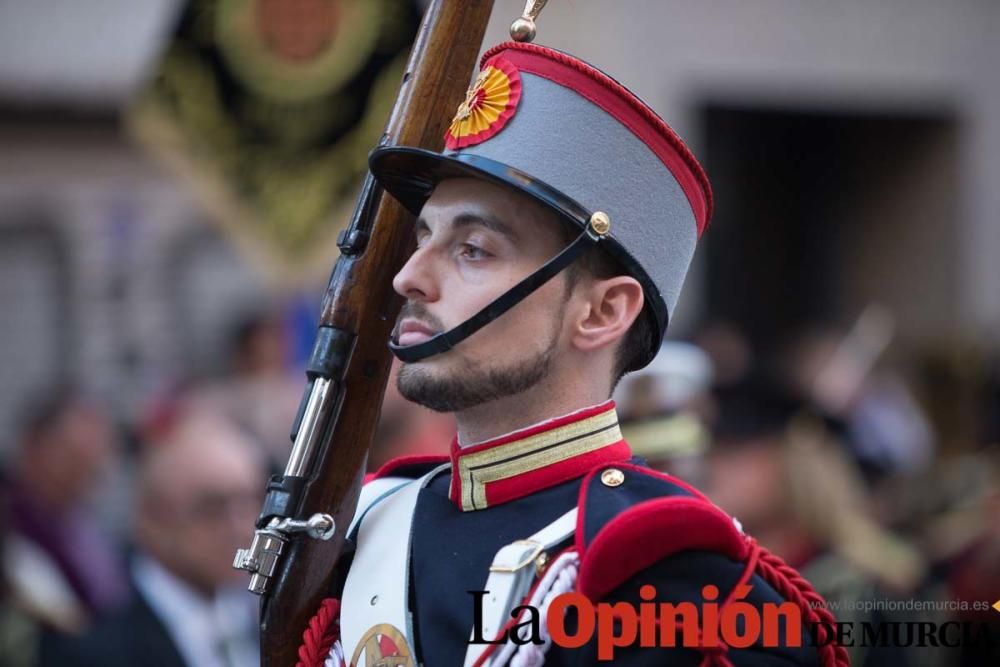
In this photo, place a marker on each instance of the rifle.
(349, 366)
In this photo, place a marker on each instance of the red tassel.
(323, 631)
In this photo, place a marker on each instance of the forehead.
(462, 196)
(204, 454)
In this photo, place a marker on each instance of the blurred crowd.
(821, 449)
(117, 540)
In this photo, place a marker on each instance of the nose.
(415, 280)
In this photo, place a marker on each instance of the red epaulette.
(632, 518)
(628, 522)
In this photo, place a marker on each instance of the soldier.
(554, 233)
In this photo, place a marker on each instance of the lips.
(413, 332)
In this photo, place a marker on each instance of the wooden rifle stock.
(351, 358)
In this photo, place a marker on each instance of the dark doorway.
(819, 213)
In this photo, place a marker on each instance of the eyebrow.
(475, 219)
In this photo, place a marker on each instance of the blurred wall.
(110, 278)
(110, 275)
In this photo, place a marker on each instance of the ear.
(611, 306)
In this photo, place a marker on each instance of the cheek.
(473, 287)
(529, 324)
(210, 546)
(462, 296)
(542, 310)
(480, 275)
(242, 520)
(524, 329)
(175, 537)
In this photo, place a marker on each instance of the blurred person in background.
(198, 491)
(730, 353)
(776, 469)
(18, 630)
(841, 376)
(662, 410)
(962, 534)
(953, 510)
(58, 561)
(261, 393)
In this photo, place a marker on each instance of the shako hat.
(551, 126)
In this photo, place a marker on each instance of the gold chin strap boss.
(600, 223)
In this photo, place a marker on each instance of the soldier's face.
(475, 241)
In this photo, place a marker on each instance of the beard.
(475, 384)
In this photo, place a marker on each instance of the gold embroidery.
(533, 453)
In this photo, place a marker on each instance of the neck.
(193, 586)
(554, 396)
(204, 590)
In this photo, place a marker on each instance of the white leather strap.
(511, 576)
(376, 593)
(371, 493)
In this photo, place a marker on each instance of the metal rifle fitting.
(277, 524)
(262, 558)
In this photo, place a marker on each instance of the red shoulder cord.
(787, 581)
(323, 631)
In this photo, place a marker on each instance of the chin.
(437, 391)
(419, 372)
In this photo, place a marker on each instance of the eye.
(474, 252)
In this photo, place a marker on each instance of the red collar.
(534, 458)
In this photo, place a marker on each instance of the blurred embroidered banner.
(268, 108)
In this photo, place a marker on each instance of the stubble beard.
(477, 384)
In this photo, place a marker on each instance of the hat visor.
(411, 174)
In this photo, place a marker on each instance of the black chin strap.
(443, 342)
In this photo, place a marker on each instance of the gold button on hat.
(600, 223)
(612, 477)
